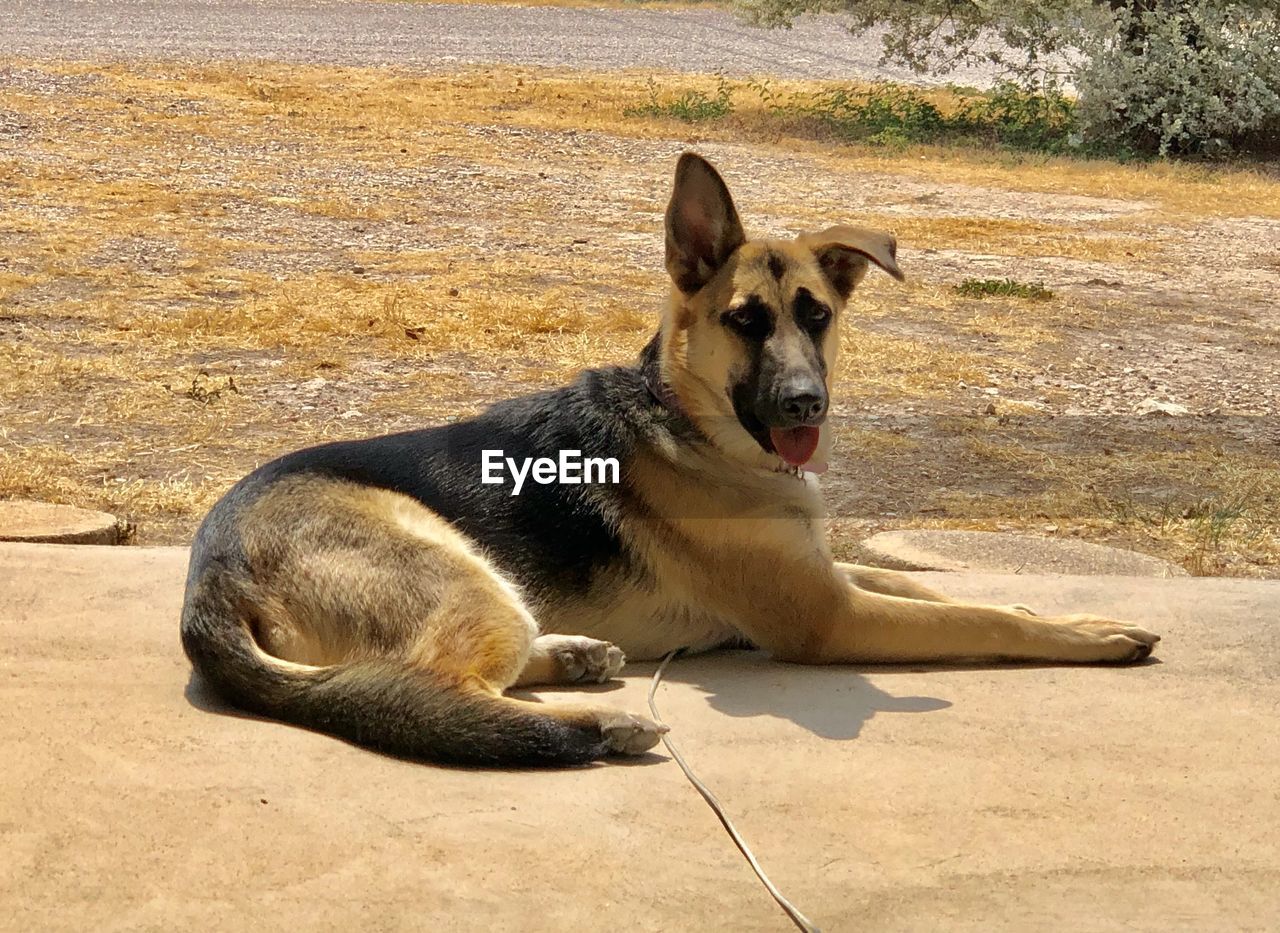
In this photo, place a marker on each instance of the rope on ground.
(800, 920)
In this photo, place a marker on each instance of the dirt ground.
(205, 266)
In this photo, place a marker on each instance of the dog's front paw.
(584, 660)
(1095, 639)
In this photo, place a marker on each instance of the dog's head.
(749, 339)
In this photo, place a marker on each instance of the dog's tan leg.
(887, 628)
(482, 633)
(878, 628)
(570, 659)
(897, 583)
(829, 621)
(889, 582)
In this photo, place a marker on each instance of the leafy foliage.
(1003, 288)
(895, 115)
(1020, 119)
(1165, 77)
(1196, 79)
(692, 106)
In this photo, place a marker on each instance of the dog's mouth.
(794, 446)
(793, 441)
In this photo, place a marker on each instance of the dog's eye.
(811, 313)
(750, 320)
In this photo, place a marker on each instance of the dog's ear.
(703, 228)
(843, 253)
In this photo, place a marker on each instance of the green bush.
(1002, 288)
(1019, 119)
(1197, 77)
(894, 114)
(886, 113)
(690, 107)
(1156, 77)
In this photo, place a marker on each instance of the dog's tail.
(386, 705)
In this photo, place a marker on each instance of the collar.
(659, 390)
(662, 393)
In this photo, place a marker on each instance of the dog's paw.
(579, 659)
(628, 734)
(1098, 639)
(1021, 608)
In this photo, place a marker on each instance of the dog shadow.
(831, 702)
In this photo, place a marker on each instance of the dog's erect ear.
(703, 228)
(843, 252)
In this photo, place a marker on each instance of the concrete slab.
(998, 552)
(49, 523)
(879, 798)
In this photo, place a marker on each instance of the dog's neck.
(651, 373)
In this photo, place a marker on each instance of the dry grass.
(368, 105)
(208, 265)
(1086, 494)
(573, 101)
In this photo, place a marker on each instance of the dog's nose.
(805, 407)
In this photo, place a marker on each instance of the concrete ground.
(440, 35)
(879, 798)
(50, 523)
(1000, 552)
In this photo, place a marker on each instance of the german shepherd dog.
(380, 591)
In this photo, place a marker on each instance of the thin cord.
(799, 919)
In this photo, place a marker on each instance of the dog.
(390, 591)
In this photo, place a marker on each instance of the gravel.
(439, 36)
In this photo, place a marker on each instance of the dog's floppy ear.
(843, 253)
(703, 228)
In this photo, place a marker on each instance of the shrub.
(1202, 77)
(1164, 77)
(894, 114)
(1020, 119)
(1002, 288)
(690, 106)
(887, 113)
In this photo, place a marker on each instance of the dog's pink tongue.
(795, 445)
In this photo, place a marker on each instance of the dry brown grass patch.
(368, 105)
